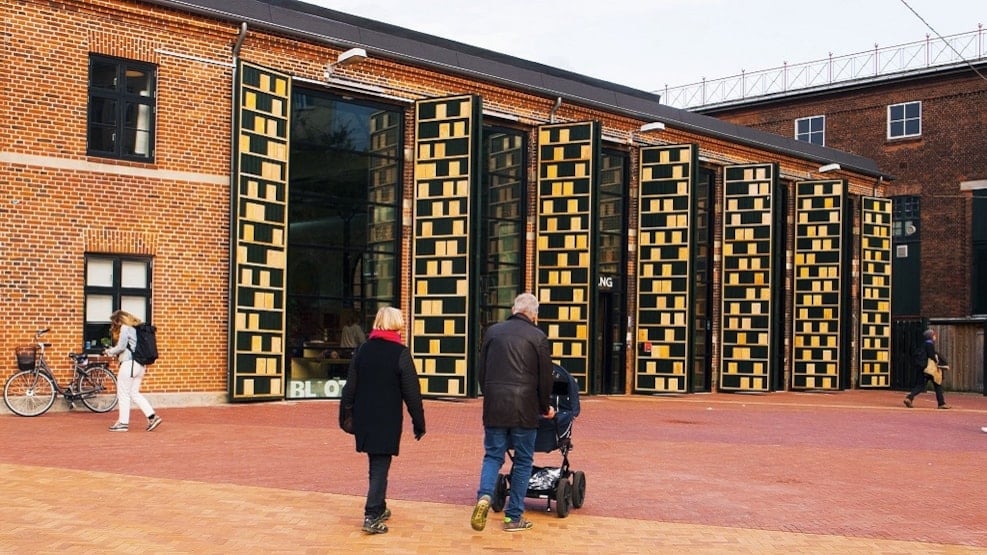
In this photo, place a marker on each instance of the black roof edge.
(296, 18)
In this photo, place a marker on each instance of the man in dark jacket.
(515, 373)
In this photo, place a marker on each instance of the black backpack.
(919, 356)
(145, 352)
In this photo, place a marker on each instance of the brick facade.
(60, 204)
(952, 149)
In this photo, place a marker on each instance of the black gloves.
(419, 434)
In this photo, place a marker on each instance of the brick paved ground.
(849, 472)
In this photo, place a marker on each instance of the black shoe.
(374, 526)
(908, 402)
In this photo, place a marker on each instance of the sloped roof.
(310, 22)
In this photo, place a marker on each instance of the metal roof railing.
(925, 54)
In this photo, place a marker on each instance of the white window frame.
(904, 120)
(807, 137)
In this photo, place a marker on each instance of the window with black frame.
(114, 283)
(979, 278)
(121, 109)
(344, 213)
(502, 186)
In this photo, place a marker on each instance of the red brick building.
(254, 176)
(923, 124)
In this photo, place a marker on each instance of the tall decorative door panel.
(259, 233)
(875, 292)
(748, 276)
(818, 302)
(446, 154)
(568, 156)
(666, 208)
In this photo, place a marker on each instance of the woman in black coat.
(381, 376)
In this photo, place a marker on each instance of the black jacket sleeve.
(348, 395)
(411, 393)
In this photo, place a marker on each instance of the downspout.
(234, 189)
(551, 113)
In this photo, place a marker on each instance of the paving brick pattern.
(850, 472)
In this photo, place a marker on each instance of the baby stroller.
(566, 487)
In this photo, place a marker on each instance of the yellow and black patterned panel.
(567, 159)
(260, 234)
(875, 292)
(447, 131)
(817, 302)
(748, 237)
(663, 343)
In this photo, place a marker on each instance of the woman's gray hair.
(928, 334)
(526, 304)
(389, 319)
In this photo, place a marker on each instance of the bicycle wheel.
(98, 389)
(29, 393)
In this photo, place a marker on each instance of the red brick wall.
(951, 149)
(59, 203)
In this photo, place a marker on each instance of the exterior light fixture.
(653, 126)
(830, 168)
(351, 56)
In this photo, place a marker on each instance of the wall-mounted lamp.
(830, 168)
(351, 56)
(653, 126)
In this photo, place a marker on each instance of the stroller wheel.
(563, 498)
(578, 488)
(500, 494)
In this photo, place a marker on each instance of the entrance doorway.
(610, 346)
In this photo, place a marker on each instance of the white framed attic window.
(905, 120)
(811, 130)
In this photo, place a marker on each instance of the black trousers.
(380, 465)
(922, 383)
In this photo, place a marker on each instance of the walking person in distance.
(130, 373)
(928, 352)
(381, 376)
(515, 374)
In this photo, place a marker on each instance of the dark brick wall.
(951, 149)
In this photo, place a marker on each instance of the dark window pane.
(101, 138)
(897, 129)
(102, 110)
(103, 75)
(912, 110)
(912, 127)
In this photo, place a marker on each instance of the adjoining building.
(254, 176)
(917, 109)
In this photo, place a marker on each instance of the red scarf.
(388, 335)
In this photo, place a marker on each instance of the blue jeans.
(495, 444)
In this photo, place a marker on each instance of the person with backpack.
(123, 329)
(920, 359)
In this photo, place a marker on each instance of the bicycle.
(32, 390)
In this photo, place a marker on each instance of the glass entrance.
(343, 211)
